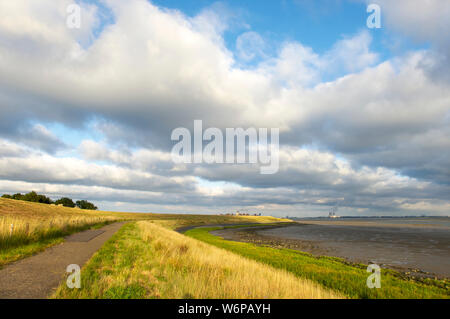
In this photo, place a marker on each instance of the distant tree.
(17, 196)
(31, 197)
(7, 196)
(84, 204)
(65, 201)
(35, 197)
(44, 199)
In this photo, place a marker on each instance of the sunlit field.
(27, 228)
(145, 260)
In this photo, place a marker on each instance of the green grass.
(146, 260)
(30, 246)
(116, 255)
(330, 272)
(15, 253)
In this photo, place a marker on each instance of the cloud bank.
(369, 135)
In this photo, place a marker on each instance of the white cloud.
(250, 45)
(298, 65)
(423, 20)
(351, 54)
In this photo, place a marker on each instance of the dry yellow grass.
(199, 270)
(13, 229)
(27, 228)
(23, 222)
(176, 221)
(146, 260)
(149, 260)
(35, 211)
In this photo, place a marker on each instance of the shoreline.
(263, 236)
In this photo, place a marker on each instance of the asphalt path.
(38, 276)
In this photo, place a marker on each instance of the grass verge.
(39, 242)
(330, 272)
(146, 260)
(27, 228)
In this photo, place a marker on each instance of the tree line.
(64, 201)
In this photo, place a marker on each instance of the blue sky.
(314, 23)
(288, 20)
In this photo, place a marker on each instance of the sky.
(363, 113)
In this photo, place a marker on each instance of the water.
(403, 243)
(435, 221)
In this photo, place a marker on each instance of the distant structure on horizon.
(332, 213)
(243, 213)
(240, 213)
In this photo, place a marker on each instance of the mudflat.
(422, 251)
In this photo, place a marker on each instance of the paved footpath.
(38, 276)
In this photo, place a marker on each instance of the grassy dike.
(146, 260)
(329, 272)
(28, 228)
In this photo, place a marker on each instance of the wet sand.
(419, 251)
